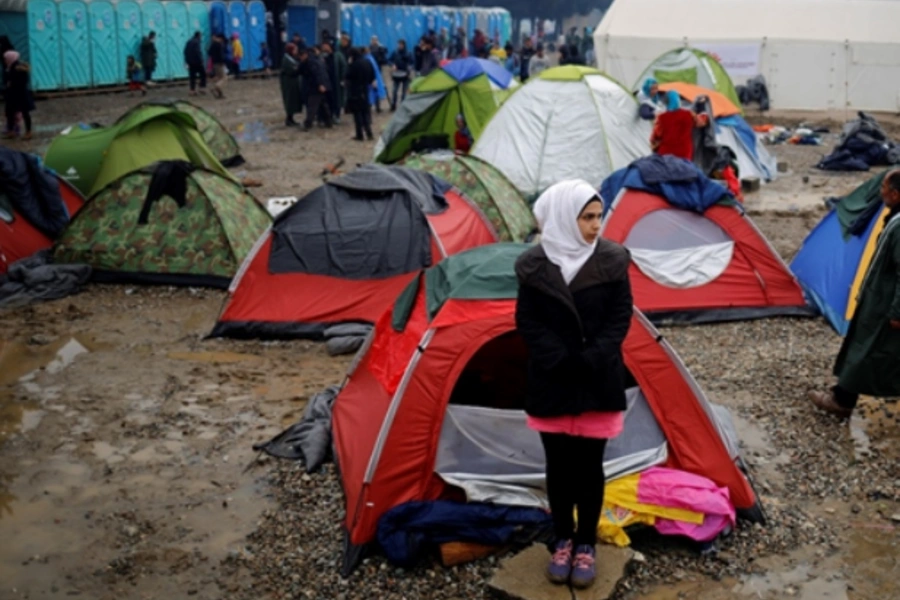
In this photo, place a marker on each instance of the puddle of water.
(252, 132)
(213, 357)
(798, 582)
(774, 199)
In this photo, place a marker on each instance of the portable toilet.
(237, 23)
(104, 42)
(154, 19)
(218, 18)
(256, 34)
(198, 13)
(302, 20)
(75, 44)
(346, 23)
(130, 29)
(177, 32)
(33, 28)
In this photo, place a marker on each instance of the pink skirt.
(599, 425)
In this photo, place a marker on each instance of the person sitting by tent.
(401, 67)
(706, 149)
(867, 361)
(360, 81)
(576, 373)
(673, 130)
(290, 84)
(724, 168)
(650, 100)
(462, 139)
(18, 95)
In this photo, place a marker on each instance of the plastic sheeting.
(494, 457)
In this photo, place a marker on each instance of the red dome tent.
(433, 404)
(21, 187)
(688, 266)
(344, 252)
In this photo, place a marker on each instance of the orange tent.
(721, 105)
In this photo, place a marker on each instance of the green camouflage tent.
(90, 158)
(223, 145)
(497, 198)
(689, 65)
(472, 87)
(170, 223)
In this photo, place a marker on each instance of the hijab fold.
(673, 100)
(557, 211)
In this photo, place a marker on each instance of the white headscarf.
(557, 212)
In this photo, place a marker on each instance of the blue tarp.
(406, 532)
(381, 92)
(468, 68)
(677, 180)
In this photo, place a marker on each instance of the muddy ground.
(126, 468)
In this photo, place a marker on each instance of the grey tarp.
(35, 279)
(310, 439)
(368, 224)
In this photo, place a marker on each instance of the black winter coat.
(314, 69)
(193, 53)
(19, 97)
(360, 76)
(574, 333)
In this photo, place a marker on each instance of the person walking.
(573, 312)
(149, 56)
(217, 58)
(401, 72)
(17, 94)
(674, 129)
(318, 86)
(290, 84)
(193, 59)
(867, 362)
(237, 54)
(360, 81)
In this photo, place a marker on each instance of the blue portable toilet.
(75, 44)
(237, 23)
(154, 19)
(33, 28)
(256, 34)
(346, 23)
(302, 20)
(218, 18)
(198, 13)
(104, 42)
(177, 32)
(130, 29)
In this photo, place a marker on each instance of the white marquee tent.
(814, 54)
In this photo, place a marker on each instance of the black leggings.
(574, 480)
(11, 121)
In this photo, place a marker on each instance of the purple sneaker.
(560, 566)
(583, 570)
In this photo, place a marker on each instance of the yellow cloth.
(237, 50)
(622, 509)
(498, 52)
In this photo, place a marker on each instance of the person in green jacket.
(869, 359)
(290, 84)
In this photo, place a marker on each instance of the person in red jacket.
(673, 130)
(462, 139)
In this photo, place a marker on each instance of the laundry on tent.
(472, 87)
(732, 131)
(171, 223)
(35, 206)
(92, 157)
(497, 198)
(344, 252)
(568, 122)
(691, 66)
(434, 404)
(695, 255)
(835, 256)
(222, 144)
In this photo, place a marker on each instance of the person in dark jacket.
(867, 362)
(336, 67)
(360, 80)
(318, 84)
(18, 96)
(217, 56)
(149, 56)
(290, 84)
(401, 72)
(430, 60)
(573, 312)
(193, 59)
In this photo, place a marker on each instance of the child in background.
(462, 139)
(135, 73)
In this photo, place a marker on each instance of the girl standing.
(573, 312)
